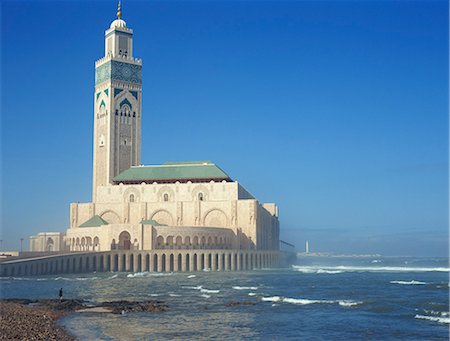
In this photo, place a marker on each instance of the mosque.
(173, 206)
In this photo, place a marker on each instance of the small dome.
(118, 23)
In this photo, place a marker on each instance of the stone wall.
(138, 261)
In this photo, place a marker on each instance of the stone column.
(175, 262)
(184, 262)
(219, 267)
(97, 263)
(227, 263)
(191, 262)
(213, 262)
(144, 264)
(168, 263)
(160, 263)
(239, 255)
(136, 263)
(199, 262)
(233, 255)
(105, 262)
(120, 265)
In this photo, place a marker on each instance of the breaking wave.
(408, 283)
(434, 318)
(245, 288)
(344, 268)
(208, 291)
(194, 288)
(304, 301)
(191, 276)
(148, 274)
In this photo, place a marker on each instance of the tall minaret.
(117, 106)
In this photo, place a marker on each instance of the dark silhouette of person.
(60, 294)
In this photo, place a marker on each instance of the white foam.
(408, 283)
(245, 288)
(207, 269)
(344, 268)
(305, 301)
(438, 313)
(321, 271)
(191, 276)
(252, 294)
(347, 303)
(205, 295)
(154, 295)
(207, 291)
(434, 318)
(194, 288)
(149, 274)
(138, 274)
(113, 276)
(174, 295)
(271, 299)
(376, 261)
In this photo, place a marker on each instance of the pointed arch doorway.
(124, 241)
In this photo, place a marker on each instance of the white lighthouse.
(307, 247)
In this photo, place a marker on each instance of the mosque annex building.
(177, 216)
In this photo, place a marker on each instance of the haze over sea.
(318, 298)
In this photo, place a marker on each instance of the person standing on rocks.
(60, 294)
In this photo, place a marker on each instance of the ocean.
(318, 298)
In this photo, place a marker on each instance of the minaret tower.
(117, 106)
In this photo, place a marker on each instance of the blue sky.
(335, 110)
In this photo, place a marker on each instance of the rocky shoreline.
(23, 319)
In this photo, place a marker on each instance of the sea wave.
(205, 295)
(149, 274)
(191, 276)
(305, 301)
(321, 271)
(208, 291)
(413, 282)
(438, 313)
(252, 294)
(245, 288)
(345, 268)
(434, 318)
(198, 287)
(271, 299)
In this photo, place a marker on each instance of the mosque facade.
(173, 206)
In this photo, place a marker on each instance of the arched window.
(166, 197)
(200, 196)
(131, 197)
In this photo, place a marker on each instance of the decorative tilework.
(106, 92)
(117, 91)
(121, 71)
(125, 101)
(98, 95)
(134, 93)
(102, 104)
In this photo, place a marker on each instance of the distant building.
(176, 205)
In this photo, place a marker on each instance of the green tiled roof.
(94, 222)
(173, 171)
(152, 222)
